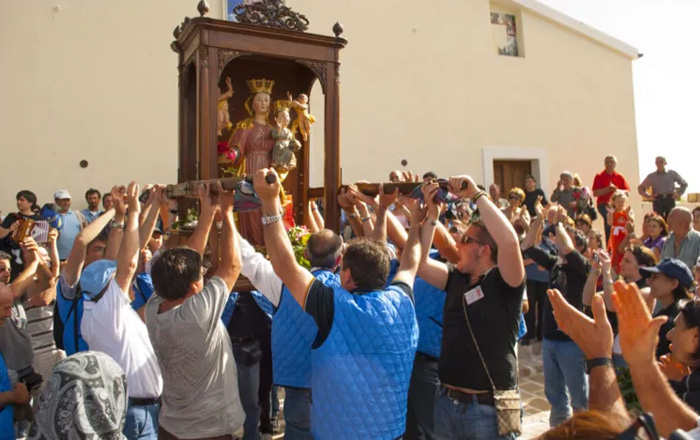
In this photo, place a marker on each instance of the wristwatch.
(116, 225)
(597, 362)
(270, 219)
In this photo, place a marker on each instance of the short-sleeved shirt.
(494, 318)
(603, 180)
(200, 383)
(568, 274)
(655, 243)
(531, 199)
(111, 326)
(72, 226)
(90, 216)
(12, 247)
(689, 250)
(15, 340)
(319, 304)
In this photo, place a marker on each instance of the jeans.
(536, 294)
(422, 392)
(564, 370)
(603, 210)
(465, 421)
(297, 413)
(663, 205)
(248, 383)
(141, 422)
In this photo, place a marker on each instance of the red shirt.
(603, 180)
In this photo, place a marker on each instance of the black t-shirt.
(568, 275)
(531, 198)
(248, 319)
(12, 247)
(319, 304)
(494, 319)
(671, 311)
(688, 389)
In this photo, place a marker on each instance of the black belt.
(666, 196)
(460, 396)
(143, 401)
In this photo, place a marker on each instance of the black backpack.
(58, 325)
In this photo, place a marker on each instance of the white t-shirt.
(111, 326)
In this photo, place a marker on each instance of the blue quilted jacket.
(362, 370)
(293, 333)
(430, 302)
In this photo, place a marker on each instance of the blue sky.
(666, 79)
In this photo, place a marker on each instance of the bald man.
(683, 242)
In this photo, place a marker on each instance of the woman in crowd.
(634, 258)
(657, 232)
(515, 210)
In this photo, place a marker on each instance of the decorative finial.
(338, 29)
(203, 8)
(177, 31)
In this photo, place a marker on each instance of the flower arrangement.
(298, 236)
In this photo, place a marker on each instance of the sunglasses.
(467, 239)
(513, 197)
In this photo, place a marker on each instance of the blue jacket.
(362, 370)
(293, 333)
(70, 314)
(7, 429)
(430, 302)
(143, 289)
(264, 304)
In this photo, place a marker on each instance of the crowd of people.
(405, 325)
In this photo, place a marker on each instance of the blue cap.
(50, 213)
(95, 277)
(672, 268)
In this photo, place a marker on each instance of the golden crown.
(281, 104)
(260, 85)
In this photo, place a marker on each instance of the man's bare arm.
(128, 256)
(198, 239)
(76, 259)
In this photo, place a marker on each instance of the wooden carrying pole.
(190, 189)
(405, 188)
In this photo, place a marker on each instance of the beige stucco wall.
(97, 81)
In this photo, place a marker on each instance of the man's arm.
(207, 201)
(260, 272)
(76, 259)
(410, 257)
(433, 272)
(562, 239)
(445, 244)
(681, 182)
(114, 239)
(639, 335)
(230, 249)
(279, 248)
(18, 395)
(510, 260)
(642, 188)
(31, 257)
(128, 256)
(149, 221)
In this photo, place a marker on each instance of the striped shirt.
(40, 328)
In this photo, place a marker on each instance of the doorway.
(511, 173)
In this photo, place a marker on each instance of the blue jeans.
(141, 422)
(297, 413)
(465, 421)
(564, 369)
(422, 392)
(248, 384)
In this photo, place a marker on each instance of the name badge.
(474, 295)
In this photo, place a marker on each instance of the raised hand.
(593, 336)
(266, 191)
(387, 200)
(639, 333)
(30, 250)
(118, 194)
(539, 209)
(225, 198)
(53, 235)
(344, 200)
(430, 190)
(132, 197)
(456, 184)
(208, 202)
(672, 369)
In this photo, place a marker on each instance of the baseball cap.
(62, 194)
(50, 213)
(95, 278)
(672, 268)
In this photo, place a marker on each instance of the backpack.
(59, 325)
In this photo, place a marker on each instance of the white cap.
(62, 194)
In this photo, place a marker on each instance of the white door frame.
(538, 157)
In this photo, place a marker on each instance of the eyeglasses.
(513, 197)
(642, 428)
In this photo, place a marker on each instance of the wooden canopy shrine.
(268, 41)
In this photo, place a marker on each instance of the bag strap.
(476, 344)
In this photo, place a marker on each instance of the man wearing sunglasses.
(367, 332)
(481, 315)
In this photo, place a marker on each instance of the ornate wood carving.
(271, 13)
(225, 56)
(204, 57)
(319, 69)
(185, 71)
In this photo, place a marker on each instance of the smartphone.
(595, 257)
(143, 198)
